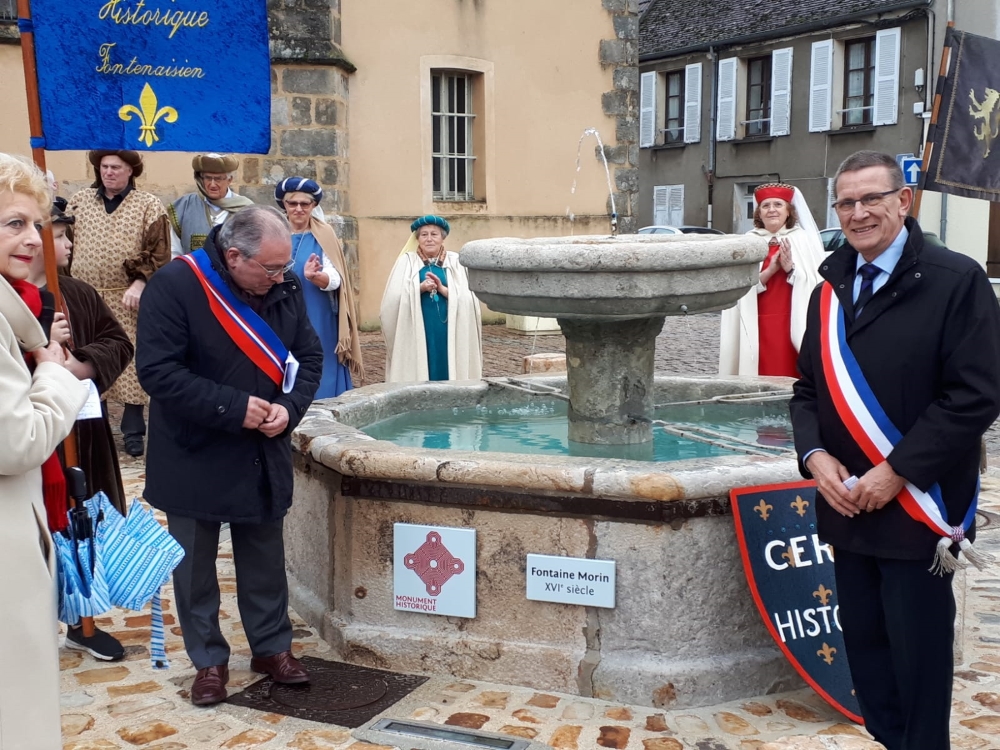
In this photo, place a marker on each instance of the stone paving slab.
(131, 705)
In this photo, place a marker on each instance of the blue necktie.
(868, 273)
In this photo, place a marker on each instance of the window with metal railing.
(452, 131)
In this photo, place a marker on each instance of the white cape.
(403, 323)
(738, 345)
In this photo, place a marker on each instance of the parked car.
(685, 229)
(833, 237)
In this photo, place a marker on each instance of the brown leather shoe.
(281, 667)
(209, 685)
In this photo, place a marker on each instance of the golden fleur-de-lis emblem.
(800, 505)
(823, 594)
(763, 509)
(827, 653)
(787, 554)
(149, 114)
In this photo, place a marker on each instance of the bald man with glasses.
(900, 378)
(224, 400)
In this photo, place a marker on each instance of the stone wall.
(309, 100)
(622, 103)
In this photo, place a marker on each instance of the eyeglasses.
(274, 273)
(846, 207)
(215, 178)
(297, 204)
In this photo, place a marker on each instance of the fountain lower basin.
(684, 631)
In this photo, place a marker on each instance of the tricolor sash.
(247, 329)
(876, 435)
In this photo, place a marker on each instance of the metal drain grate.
(342, 694)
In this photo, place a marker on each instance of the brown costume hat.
(132, 158)
(215, 163)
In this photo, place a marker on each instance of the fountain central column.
(610, 373)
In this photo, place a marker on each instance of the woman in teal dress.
(318, 260)
(431, 320)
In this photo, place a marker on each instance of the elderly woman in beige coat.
(37, 410)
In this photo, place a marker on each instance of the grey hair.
(865, 159)
(247, 228)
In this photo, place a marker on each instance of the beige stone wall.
(540, 84)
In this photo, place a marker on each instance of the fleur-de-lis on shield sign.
(823, 594)
(763, 509)
(827, 653)
(148, 115)
(800, 505)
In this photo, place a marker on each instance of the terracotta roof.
(671, 26)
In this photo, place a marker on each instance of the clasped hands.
(432, 283)
(782, 259)
(271, 419)
(874, 490)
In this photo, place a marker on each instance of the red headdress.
(774, 190)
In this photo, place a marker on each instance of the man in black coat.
(220, 437)
(924, 326)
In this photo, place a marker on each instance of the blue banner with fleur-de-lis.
(153, 75)
(790, 574)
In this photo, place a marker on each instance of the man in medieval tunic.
(122, 238)
(192, 216)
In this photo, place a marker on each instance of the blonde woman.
(39, 401)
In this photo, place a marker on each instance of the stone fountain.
(684, 630)
(611, 296)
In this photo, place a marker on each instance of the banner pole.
(925, 162)
(48, 244)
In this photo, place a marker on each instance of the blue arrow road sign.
(911, 170)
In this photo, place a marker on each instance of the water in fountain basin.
(541, 428)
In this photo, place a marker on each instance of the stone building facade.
(352, 82)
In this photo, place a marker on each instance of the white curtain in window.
(887, 44)
(726, 124)
(821, 86)
(781, 91)
(692, 103)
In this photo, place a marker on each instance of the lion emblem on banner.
(989, 112)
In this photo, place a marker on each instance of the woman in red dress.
(762, 334)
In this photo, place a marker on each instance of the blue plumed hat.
(436, 221)
(297, 185)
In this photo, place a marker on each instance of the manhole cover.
(331, 691)
(987, 520)
(342, 694)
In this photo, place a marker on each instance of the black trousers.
(133, 421)
(261, 588)
(899, 629)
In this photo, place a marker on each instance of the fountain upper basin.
(613, 278)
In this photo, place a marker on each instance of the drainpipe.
(943, 230)
(711, 136)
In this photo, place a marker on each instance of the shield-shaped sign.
(790, 572)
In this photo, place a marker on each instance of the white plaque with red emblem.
(434, 570)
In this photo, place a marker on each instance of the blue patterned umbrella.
(83, 587)
(136, 556)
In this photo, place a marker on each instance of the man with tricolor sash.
(231, 364)
(900, 378)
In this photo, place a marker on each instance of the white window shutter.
(832, 220)
(692, 103)
(726, 125)
(887, 44)
(821, 86)
(781, 91)
(647, 110)
(661, 205)
(676, 205)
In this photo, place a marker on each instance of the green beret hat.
(436, 221)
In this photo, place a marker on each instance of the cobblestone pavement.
(130, 705)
